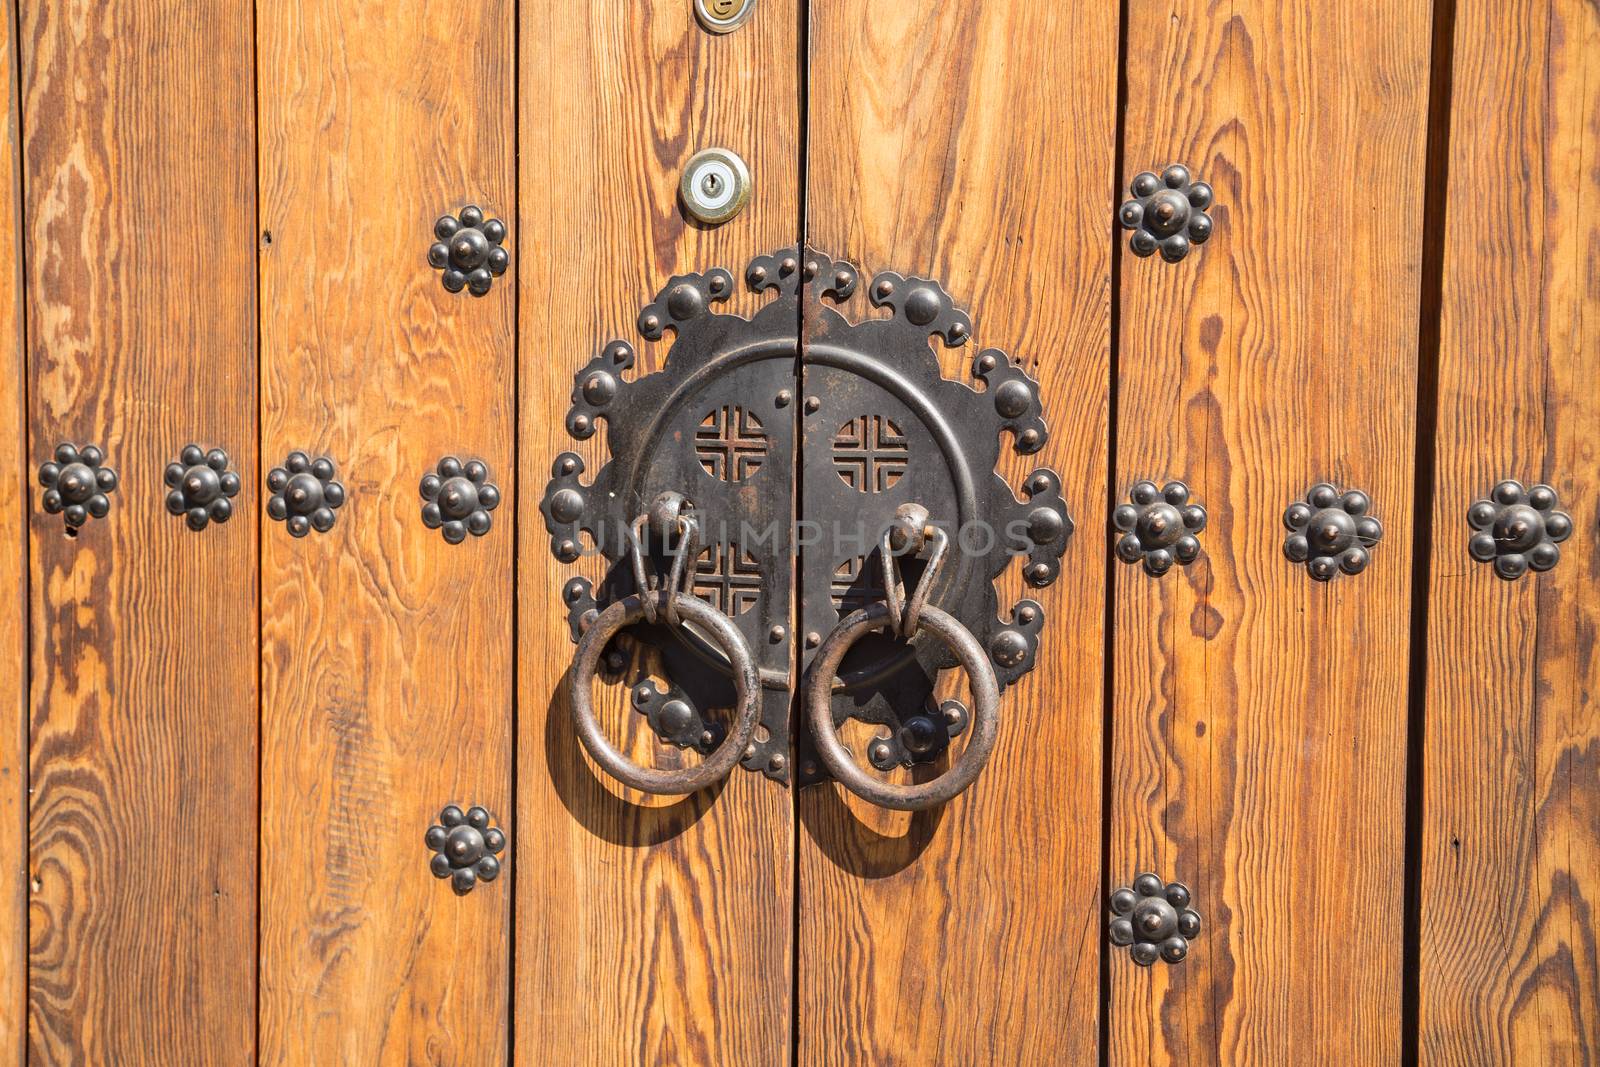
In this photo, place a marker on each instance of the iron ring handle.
(718, 764)
(985, 711)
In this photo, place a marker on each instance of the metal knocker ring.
(985, 710)
(679, 606)
(716, 766)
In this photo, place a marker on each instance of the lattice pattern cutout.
(728, 577)
(730, 443)
(870, 453)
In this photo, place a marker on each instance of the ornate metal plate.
(875, 425)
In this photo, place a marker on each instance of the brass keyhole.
(712, 184)
(723, 16)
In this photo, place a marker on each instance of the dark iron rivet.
(1159, 527)
(1518, 530)
(1153, 920)
(1330, 532)
(465, 847)
(1167, 213)
(76, 485)
(468, 252)
(200, 487)
(304, 494)
(458, 497)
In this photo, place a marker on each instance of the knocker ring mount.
(801, 437)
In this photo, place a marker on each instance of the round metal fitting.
(985, 714)
(76, 485)
(1518, 530)
(723, 16)
(200, 487)
(715, 186)
(1153, 920)
(747, 686)
(1330, 531)
(465, 848)
(457, 498)
(1159, 527)
(1167, 212)
(468, 251)
(304, 494)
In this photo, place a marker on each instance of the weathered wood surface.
(15, 491)
(649, 930)
(1510, 841)
(1259, 737)
(943, 145)
(387, 654)
(139, 216)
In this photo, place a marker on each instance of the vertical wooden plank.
(670, 917)
(387, 656)
(140, 210)
(14, 504)
(1510, 841)
(942, 144)
(1259, 716)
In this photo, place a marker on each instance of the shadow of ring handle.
(985, 711)
(719, 763)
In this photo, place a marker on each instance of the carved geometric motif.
(730, 443)
(870, 453)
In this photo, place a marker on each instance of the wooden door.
(1317, 648)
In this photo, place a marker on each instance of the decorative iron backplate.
(875, 426)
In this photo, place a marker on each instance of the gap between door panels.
(1436, 202)
(1108, 653)
(796, 718)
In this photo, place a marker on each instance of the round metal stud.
(723, 16)
(1518, 530)
(715, 186)
(1331, 532)
(1159, 527)
(465, 848)
(200, 487)
(304, 494)
(468, 251)
(457, 498)
(1167, 213)
(1153, 920)
(76, 485)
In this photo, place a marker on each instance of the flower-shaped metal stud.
(1518, 529)
(1159, 527)
(458, 498)
(468, 250)
(1154, 920)
(75, 485)
(200, 487)
(1167, 212)
(464, 847)
(304, 494)
(1331, 531)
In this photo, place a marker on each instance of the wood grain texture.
(14, 504)
(943, 144)
(386, 652)
(1259, 740)
(139, 212)
(649, 930)
(1510, 969)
